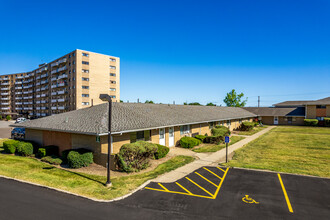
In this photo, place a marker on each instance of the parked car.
(18, 133)
(19, 120)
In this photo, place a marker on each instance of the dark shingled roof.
(133, 116)
(325, 101)
(292, 103)
(272, 111)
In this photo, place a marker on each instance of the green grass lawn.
(291, 149)
(253, 131)
(214, 147)
(32, 170)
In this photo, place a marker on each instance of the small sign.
(227, 139)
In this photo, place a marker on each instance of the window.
(112, 96)
(113, 82)
(85, 103)
(140, 135)
(85, 71)
(97, 138)
(85, 62)
(112, 67)
(112, 74)
(112, 60)
(228, 123)
(85, 95)
(320, 106)
(85, 87)
(112, 89)
(211, 124)
(85, 54)
(320, 118)
(184, 129)
(85, 79)
(240, 121)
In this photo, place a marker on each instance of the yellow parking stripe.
(221, 169)
(188, 193)
(208, 197)
(206, 179)
(163, 187)
(184, 188)
(200, 187)
(212, 173)
(285, 194)
(218, 189)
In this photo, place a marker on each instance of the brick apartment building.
(70, 82)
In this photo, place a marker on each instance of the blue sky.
(182, 50)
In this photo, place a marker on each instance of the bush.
(51, 150)
(311, 122)
(220, 131)
(189, 142)
(77, 160)
(214, 139)
(8, 118)
(52, 160)
(35, 146)
(0, 117)
(24, 149)
(327, 122)
(162, 151)
(135, 156)
(247, 126)
(66, 152)
(200, 137)
(41, 152)
(10, 146)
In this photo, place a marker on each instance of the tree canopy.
(234, 100)
(149, 101)
(210, 104)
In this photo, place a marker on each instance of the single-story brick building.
(158, 123)
(279, 116)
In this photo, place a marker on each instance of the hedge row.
(162, 151)
(77, 160)
(220, 131)
(327, 122)
(247, 126)
(311, 122)
(19, 147)
(135, 156)
(189, 142)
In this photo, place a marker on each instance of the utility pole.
(258, 101)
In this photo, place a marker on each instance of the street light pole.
(106, 97)
(108, 183)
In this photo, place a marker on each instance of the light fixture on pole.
(106, 97)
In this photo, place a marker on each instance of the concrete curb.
(81, 196)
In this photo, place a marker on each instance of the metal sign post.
(226, 141)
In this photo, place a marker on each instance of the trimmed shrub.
(35, 146)
(77, 160)
(135, 156)
(24, 149)
(247, 126)
(10, 146)
(52, 150)
(327, 122)
(65, 153)
(52, 160)
(200, 137)
(220, 131)
(8, 118)
(189, 142)
(162, 151)
(41, 152)
(214, 139)
(311, 122)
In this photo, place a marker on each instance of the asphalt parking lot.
(209, 193)
(213, 193)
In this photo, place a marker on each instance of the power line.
(313, 93)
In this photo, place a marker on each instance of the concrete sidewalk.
(205, 159)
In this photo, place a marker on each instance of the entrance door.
(289, 120)
(162, 136)
(171, 136)
(275, 120)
